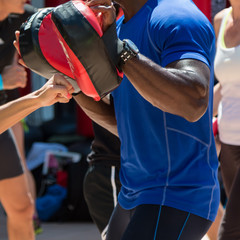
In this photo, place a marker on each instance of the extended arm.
(181, 88)
(100, 112)
(57, 89)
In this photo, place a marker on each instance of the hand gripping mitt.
(68, 39)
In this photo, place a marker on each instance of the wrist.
(1, 82)
(129, 51)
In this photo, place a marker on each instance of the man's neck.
(131, 7)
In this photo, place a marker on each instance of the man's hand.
(103, 9)
(16, 45)
(56, 89)
(14, 75)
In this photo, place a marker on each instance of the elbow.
(198, 103)
(196, 109)
(196, 114)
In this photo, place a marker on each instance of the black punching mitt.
(40, 48)
(68, 39)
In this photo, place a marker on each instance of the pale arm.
(57, 89)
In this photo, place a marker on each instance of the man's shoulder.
(176, 10)
(178, 17)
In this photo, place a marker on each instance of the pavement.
(59, 231)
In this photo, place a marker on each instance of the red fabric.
(54, 3)
(79, 72)
(84, 124)
(120, 13)
(205, 7)
(89, 15)
(62, 178)
(66, 61)
(215, 126)
(50, 47)
(28, 88)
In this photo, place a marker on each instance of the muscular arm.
(181, 88)
(100, 112)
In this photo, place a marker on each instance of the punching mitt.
(68, 39)
(40, 48)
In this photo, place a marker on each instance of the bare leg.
(213, 230)
(19, 207)
(19, 136)
(212, 233)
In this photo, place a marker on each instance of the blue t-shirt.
(164, 158)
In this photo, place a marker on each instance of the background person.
(14, 184)
(226, 106)
(101, 183)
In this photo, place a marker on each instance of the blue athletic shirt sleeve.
(180, 34)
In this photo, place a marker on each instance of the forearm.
(175, 89)
(14, 111)
(100, 112)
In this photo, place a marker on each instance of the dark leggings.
(230, 162)
(155, 222)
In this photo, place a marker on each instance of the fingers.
(100, 5)
(59, 82)
(58, 79)
(62, 94)
(106, 9)
(16, 45)
(20, 61)
(106, 3)
(16, 42)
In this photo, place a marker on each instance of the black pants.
(230, 169)
(155, 222)
(101, 187)
(10, 164)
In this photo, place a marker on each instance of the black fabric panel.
(29, 45)
(105, 147)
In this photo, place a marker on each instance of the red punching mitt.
(67, 39)
(37, 33)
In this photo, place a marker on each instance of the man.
(168, 159)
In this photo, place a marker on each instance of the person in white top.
(227, 108)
